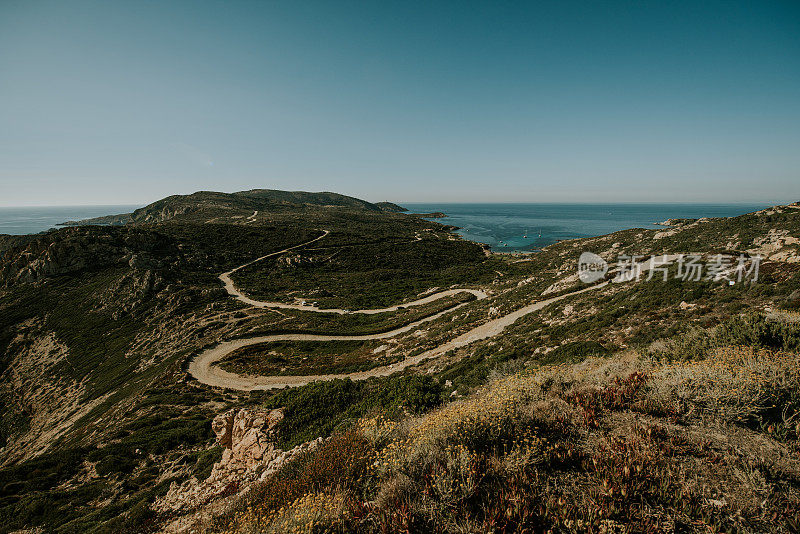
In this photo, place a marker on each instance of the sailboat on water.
(526, 234)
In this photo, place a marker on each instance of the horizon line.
(453, 203)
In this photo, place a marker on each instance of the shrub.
(317, 409)
(308, 489)
(574, 351)
(754, 330)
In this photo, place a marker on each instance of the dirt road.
(203, 369)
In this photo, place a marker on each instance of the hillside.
(390, 206)
(208, 204)
(456, 391)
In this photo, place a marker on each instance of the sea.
(33, 220)
(505, 227)
(529, 227)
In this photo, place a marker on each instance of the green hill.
(208, 205)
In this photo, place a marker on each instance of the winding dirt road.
(203, 369)
(230, 287)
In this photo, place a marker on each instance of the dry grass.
(623, 444)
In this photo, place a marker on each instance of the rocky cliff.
(249, 456)
(73, 250)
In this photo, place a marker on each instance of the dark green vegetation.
(101, 287)
(44, 491)
(744, 231)
(635, 468)
(320, 407)
(752, 330)
(307, 358)
(390, 206)
(9, 242)
(369, 275)
(305, 322)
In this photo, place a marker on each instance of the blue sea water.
(505, 226)
(32, 220)
(502, 226)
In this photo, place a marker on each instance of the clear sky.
(114, 102)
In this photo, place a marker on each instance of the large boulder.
(245, 436)
(249, 455)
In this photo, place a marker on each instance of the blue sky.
(127, 102)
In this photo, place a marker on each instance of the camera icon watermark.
(591, 267)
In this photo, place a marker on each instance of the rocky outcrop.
(296, 260)
(158, 214)
(246, 437)
(675, 222)
(249, 455)
(73, 250)
(777, 245)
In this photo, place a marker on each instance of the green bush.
(205, 462)
(318, 408)
(756, 330)
(753, 330)
(115, 464)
